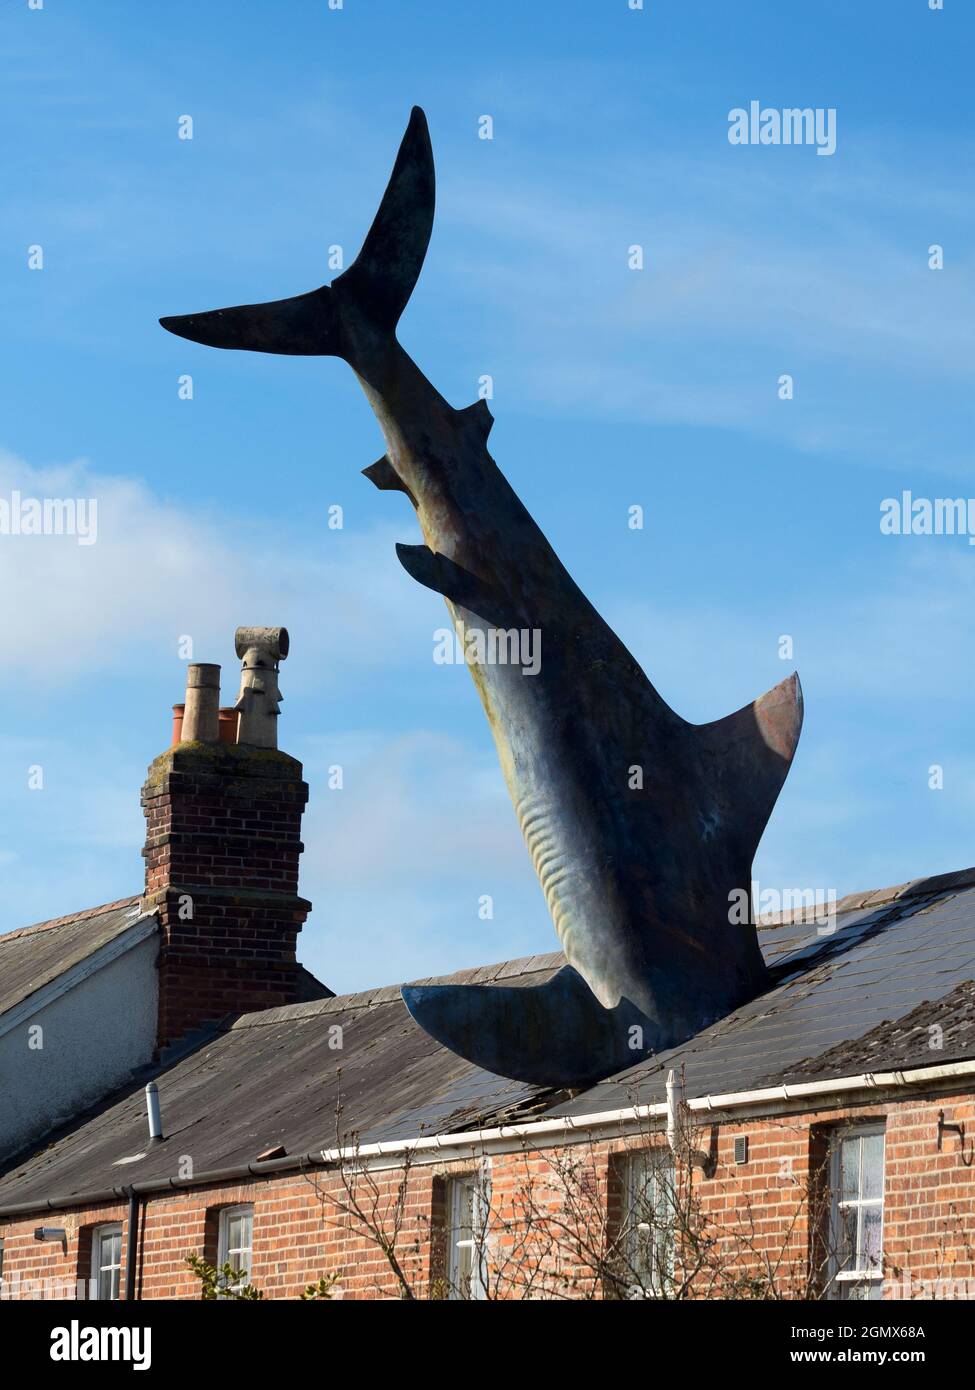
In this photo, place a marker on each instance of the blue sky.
(612, 387)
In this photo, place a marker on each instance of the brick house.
(817, 1142)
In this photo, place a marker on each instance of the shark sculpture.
(641, 827)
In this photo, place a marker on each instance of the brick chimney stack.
(223, 838)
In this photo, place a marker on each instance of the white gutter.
(502, 1137)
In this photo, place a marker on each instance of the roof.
(307, 1076)
(885, 960)
(934, 1033)
(297, 1076)
(35, 957)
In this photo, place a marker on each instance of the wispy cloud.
(729, 299)
(160, 570)
(905, 640)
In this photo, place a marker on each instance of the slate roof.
(882, 963)
(277, 1077)
(33, 957)
(934, 1033)
(839, 1002)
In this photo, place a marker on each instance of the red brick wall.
(223, 839)
(301, 1231)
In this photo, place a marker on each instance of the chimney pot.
(260, 649)
(273, 641)
(201, 720)
(228, 724)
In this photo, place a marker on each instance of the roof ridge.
(69, 918)
(876, 897)
(386, 994)
(523, 965)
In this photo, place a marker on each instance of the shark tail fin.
(552, 1034)
(379, 282)
(382, 276)
(305, 326)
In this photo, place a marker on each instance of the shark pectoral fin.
(432, 570)
(748, 755)
(435, 571)
(383, 475)
(382, 276)
(556, 1034)
(305, 326)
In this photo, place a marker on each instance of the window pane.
(465, 1268)
(464, 1202)
(662, 1190)
(873, 1165)
(846, 1237)
(871, 1223)
(235, 1228)
(649, 1218)
(107, 1258)
(850, 1169)
(858, 1214)
(236, 1240)
(242, 1253)
(464, 1210)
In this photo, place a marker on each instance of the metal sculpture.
(641, 826)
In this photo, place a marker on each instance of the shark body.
(641, 827)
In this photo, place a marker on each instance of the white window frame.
(842, 1281)
(230, 1254)
(467, 1203)
(110, 1231)
(653, 1168)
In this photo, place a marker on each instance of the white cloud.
(159, 571)
(395, 862)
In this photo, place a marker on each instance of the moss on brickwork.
(223, 760)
